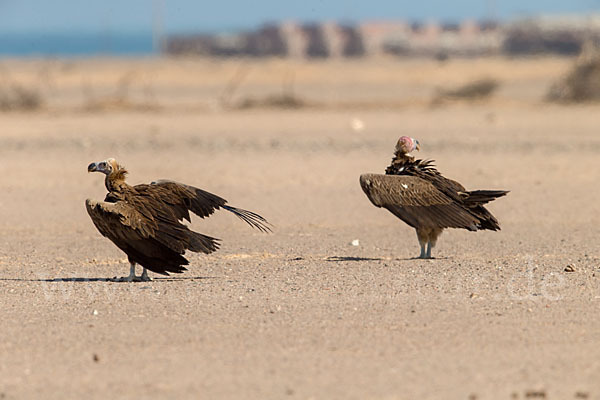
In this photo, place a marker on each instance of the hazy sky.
(190, 15)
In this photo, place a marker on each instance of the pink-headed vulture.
(414, 191)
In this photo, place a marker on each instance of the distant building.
(266, 41)
(469, 38)
(440, 40)
(296, 39)
(342, 40)
(288, 39)
(559, 34)
(386, 36)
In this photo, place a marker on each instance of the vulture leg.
(422, 255)
(144, 277)
(427, 239)
(423, 239)
(433, 236)
(131, 277)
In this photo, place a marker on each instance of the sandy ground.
(301, 313)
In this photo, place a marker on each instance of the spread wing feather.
(252, 219)
(147, 235)
(416, 202)
(182, 197)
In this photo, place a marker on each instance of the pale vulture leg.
(145, 277)
(422, 235)
(132, 278)
(433, 236)
(427, 240)
(429, 246)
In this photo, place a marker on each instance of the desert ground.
(301, 313)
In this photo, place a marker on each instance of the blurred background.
(249, 86)
(162, 54)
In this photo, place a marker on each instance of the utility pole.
(158, 15)
(491, 13)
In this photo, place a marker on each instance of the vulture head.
(107, 166)
(111, 168)
(407, 145)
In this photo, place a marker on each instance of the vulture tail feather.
(200, 243)
(486, 219)
(252, 219)
(484, 196)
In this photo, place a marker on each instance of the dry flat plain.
(300, 313)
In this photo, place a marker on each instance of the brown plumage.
(144, 220)
(414, 191)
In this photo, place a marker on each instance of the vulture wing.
(416, 201)
(156, 242)
(183, 198)
(119, 221)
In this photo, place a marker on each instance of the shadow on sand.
(112, 280)
(347, 258)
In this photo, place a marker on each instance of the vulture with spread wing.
(414, 191)
(145, 220)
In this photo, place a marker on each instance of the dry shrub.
(285, 101)
(15, 97)
(234, 83)
(582, 83)
(120, 99)
(475, 90)
(116, 104)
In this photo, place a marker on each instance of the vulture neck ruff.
(115, 181)
(400, 164)
(404, 164)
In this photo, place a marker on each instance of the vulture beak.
(417, 145)
(101, 166)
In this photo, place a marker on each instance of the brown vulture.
(145, 220)
(414, 191)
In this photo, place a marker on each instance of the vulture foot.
(132, 276)
(144, 277)
(426, 251)
(130, 279)
(422, 255)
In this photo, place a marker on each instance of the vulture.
(145, 221)
(414, 191)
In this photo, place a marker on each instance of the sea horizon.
(48, 44)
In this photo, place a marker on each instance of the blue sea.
(75, 44)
